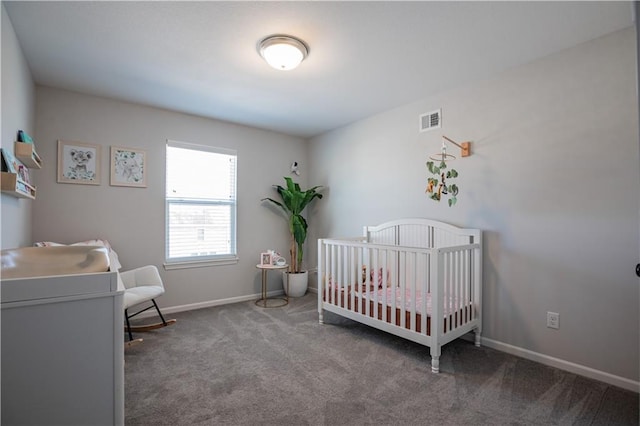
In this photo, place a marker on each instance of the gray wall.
(132, 219)
(18, 113)
(552, 181)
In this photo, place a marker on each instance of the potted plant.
(293, 201)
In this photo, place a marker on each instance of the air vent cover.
(430, 120)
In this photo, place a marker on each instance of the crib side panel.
(385, 282)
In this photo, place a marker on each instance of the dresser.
(62, 350)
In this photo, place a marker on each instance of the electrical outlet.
(553, 320)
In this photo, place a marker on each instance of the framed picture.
(265, 259)
(128, 167)
(78, 163)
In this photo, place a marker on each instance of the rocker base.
(133, 342)
(149, 327)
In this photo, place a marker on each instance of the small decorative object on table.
(265, 259)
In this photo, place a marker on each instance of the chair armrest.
(140, 277)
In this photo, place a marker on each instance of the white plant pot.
(297, 283)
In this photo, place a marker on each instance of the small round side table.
(271, 302)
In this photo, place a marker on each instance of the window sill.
(200, 263)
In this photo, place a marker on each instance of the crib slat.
(460, 308)
(374, 284)
(322, 273)
(393, 284)
(445, 288)
(327, 274)
(449, 294)
(449, 288)
(473, 291)
(454, 285)
(379, 277)
(345, 275)
(361, 283)
(349, 298)
(367, 282)
(467, 283)
(334, 265)
(412, 308)
(404, 267)
(422, 279)
(454, 294)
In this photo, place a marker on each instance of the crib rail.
(429, 291)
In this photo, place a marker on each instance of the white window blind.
(200, 203)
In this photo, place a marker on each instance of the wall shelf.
(13, 185)
(26, 152)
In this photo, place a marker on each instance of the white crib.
(419, 279)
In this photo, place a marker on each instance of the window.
(200, 205)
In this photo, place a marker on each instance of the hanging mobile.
(440, 171)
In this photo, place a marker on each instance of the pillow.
(375, 277)
(114, 262)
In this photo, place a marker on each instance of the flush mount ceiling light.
(283, 52)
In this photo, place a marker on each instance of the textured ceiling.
(365, 57)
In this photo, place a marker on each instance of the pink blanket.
(451, 303)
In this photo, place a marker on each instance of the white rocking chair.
(142, 285)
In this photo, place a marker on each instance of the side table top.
(271, 266)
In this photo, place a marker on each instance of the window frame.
(208, 260)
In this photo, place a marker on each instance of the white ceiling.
(365, 57)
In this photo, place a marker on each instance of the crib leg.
(435, 364)
(477, 332)
(435, 359)
(320, 317)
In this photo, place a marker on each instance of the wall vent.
(430, 120)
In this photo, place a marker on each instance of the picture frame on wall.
(78, 162)
(128, 167)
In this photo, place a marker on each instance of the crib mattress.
(455, 311)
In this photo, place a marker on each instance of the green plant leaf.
(452, 201)
(443, 165)
(432, 168)
(453, 189)
(454, 173)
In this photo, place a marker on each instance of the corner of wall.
(18, 113)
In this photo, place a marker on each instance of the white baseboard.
(208, 304)
(561, 364)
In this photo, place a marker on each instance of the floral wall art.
(128, 167)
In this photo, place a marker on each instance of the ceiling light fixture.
(283, 52)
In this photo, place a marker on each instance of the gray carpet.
(243, 365)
